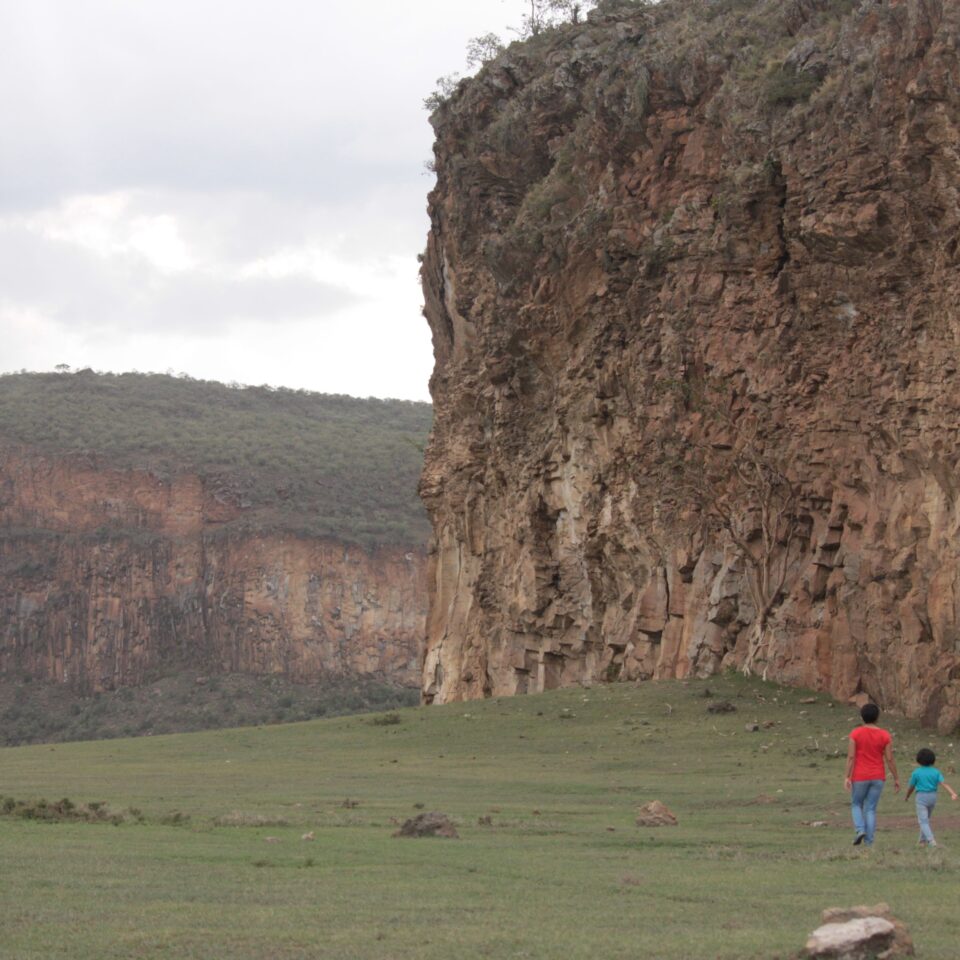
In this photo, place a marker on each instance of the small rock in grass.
(429, 825)
(655, 814)
(752, 727)
(271, 839)
(809, 700)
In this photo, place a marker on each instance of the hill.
(207, 861)
(316, 464)
(151, 525)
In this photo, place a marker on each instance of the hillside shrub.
(784, 87)
(305, 463)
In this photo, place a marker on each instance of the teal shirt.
(926, 779)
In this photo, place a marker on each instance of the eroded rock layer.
(108, 577)
(670, 233)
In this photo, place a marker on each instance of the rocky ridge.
(668, 244)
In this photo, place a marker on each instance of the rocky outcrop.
(669, 247)
(109, 577)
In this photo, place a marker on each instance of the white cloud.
(110, 226)
(117, 269)
(232, 189)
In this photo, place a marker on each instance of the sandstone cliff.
(663, 240)
(110, 576)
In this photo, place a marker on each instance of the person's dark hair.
(926, 757)
(870, 713)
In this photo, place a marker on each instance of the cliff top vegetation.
(310, 463)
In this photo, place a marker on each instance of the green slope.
(560, 870)
(304, 462)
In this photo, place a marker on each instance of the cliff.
(149, 525)
(109, 578)
(692, 279)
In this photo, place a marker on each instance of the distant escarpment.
(693, 285)
(149, 524)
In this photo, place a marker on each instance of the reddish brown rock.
(655, 814)
(107, 576)
(629, 217)
(429, 825)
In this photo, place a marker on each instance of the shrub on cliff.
(784, 86)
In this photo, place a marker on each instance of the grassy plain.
(561, 871)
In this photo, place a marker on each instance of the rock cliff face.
(110, 576)
(669, 247)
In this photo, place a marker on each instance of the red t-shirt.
(869, 743)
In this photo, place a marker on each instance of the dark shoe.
(859, 838)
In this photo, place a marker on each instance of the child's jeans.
(926, 801)
(863, 806)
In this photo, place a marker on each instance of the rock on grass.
(655, 814)
(859, 933)
(429, 825)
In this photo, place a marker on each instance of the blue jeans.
(926, 801)
(864, 798)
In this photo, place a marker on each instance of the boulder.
(655, 814)
(859, 933)
(429, 825)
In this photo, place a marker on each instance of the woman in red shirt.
(870, 747)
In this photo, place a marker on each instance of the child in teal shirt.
(924, 782)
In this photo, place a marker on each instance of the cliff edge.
(692, 279)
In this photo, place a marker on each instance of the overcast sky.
(234, 190)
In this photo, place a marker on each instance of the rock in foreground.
(859, 933)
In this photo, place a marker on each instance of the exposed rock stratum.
(665, 240)
(110, 576)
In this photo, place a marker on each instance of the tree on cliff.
(548, 13)
(540, 15)
(732, 479)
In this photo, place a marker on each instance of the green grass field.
(560, 871)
